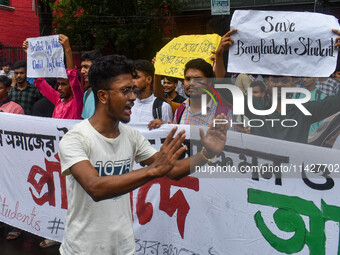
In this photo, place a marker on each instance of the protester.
(23, 93)
(147, 108)
(299, 133)
(7, 69)
(68, 100)
(166, 90)
(6, 105)
(316, 95)
(92, 192)
(196, 75)
(169, 87)
(87, 59)
(258, 88)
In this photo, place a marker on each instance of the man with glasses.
(97, 157)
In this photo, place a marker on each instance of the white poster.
(283, 43)
(206, 213)
(45, 57)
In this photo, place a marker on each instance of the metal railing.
(12, 54)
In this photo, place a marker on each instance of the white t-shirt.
(141, 112)
(103, 227)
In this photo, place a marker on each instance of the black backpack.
(157, 108)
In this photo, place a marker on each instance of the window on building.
(4, 2)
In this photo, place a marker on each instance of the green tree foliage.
(130, 27)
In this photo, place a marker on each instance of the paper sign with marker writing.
(45, 57)
(171, 59)
(283, 43)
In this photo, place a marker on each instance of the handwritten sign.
(171, 59)
(45, 57)
(283, 43)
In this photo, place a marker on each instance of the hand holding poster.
(171, 59)
(285, 43)
(45, 57)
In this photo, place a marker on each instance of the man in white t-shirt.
(148, 109)
(97, 156)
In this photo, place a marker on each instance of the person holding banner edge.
(97, 157)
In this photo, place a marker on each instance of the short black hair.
(90, 55)
(20, 64)
(202, 65)
(171, 79)
(105, 70)
(6, 63)
(5, 80)
(258, 84)
(145, 66)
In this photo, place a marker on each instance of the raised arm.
(76, 86)
(46, 90)
(225, 43)
(64, 41)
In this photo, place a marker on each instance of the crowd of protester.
(162, 100)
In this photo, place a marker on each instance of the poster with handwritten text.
(171, 59)
(283, 43)
(45, 57)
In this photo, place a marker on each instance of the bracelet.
(207, 159)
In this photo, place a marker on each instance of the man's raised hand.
(169, 153)
(215, 138)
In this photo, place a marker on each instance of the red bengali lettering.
(169, 205)
(47, 178)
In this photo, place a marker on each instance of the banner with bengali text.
(213, 211)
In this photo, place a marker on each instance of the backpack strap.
(179, 113)
(157, 108)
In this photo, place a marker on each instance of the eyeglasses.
(127, 91)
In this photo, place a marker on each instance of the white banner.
(228, 213)
(45, 57)
(283, 43)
